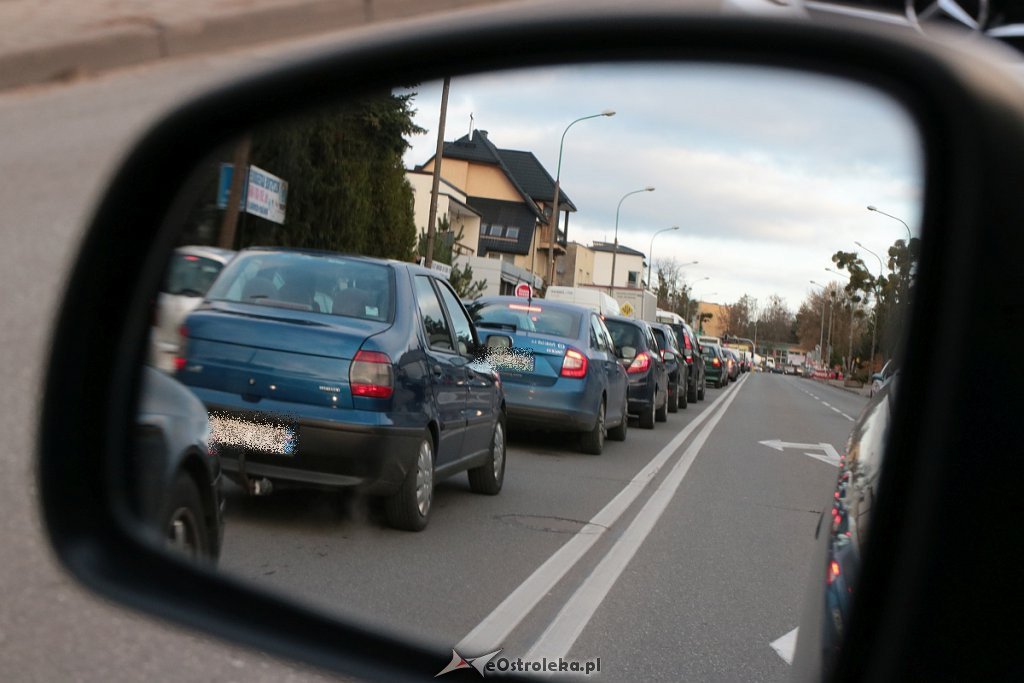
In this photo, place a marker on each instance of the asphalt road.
(684, 572)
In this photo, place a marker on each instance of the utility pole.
(239, 177)
(435, 185)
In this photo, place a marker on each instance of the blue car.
(559, 368)
(648, 377)
(327, 370)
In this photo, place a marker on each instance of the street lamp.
(553, 221)
(615, 247)
(650, 262)
(874, 327)
(909, 237)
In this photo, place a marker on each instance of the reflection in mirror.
(308, 401)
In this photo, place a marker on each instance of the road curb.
(144, 39)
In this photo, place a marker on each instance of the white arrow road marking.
(785, 646)
(830, 455)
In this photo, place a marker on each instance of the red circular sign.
(523, 290)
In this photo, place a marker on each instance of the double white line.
(560, 635)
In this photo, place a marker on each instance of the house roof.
(609, 248)
(534, 178)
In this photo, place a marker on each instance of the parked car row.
(318, 369)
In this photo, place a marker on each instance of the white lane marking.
(828, 405)
(496, 626)
(574, 616)
(785, 646)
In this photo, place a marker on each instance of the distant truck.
(638, 304)
(795, 362)
(594, 299)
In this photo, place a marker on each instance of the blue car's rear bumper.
(357, 448)
(549, 408)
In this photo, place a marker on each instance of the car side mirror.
(959, 122)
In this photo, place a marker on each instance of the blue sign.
(227, 171)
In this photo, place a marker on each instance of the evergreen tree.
(347, 189)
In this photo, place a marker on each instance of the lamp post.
(650, 262)
(874, 328)
(876, 210)
(615, 247)
(553, 221)
(821, 336)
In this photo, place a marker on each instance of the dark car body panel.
(171, 437)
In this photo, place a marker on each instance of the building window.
(495, 230)
(512, 232)
(634, 278)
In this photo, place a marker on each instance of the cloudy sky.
(767, 173)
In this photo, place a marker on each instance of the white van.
(594, 299)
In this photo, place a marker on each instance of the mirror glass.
(314, 419)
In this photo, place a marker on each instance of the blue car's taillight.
(370, 375)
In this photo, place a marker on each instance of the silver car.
(190, 273)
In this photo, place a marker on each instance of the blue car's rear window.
(308, 282)
(526, 317)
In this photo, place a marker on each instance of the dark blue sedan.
(648, 378)
(560, 371)
(326, 370)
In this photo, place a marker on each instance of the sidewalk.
(864, 391)
(53, 40)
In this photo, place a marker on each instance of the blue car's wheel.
(489, 477)
(409, 507)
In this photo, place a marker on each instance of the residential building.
(512, 193)
(451, 203)
(629, 265)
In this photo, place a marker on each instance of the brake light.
(370, 375)
(833, 572)
(686, 342)
(663, 354)
(689, 360)
(179, 360)
(574, 364)
(640, 364)
(531, 309)
(716, 362)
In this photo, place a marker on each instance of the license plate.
(511, 360)
(256, 434)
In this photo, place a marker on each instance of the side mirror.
(961, 119)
